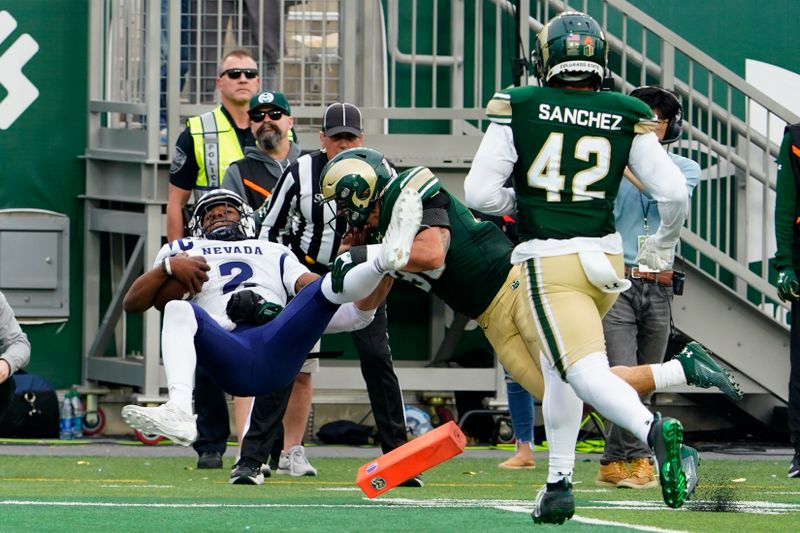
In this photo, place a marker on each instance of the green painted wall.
(731, 32)
(40, 157)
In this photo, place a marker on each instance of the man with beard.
(253, 178)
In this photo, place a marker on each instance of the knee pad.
(586, 374)
(179, 313)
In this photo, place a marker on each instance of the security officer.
(213, 140)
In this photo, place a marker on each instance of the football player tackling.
(255, 311)
(467, 263)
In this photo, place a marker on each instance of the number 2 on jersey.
(545, 171)
(243, 273)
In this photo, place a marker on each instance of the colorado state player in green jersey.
(467, 264)
(566, 145)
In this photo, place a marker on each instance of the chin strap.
(227, 234)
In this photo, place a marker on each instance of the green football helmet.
(355, 179)
(571, 47)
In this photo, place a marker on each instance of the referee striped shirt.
(296, 220)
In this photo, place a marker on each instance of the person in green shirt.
(787, 261)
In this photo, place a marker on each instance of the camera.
(678, 279)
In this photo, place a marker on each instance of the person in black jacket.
(787, 261)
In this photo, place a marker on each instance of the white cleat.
(167, 419)
(403, 227)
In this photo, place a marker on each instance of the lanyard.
(645, 209)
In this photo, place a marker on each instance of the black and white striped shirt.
(296, 220)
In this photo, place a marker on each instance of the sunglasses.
(273, 114)
(236, 73)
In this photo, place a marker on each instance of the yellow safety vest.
(216, 146)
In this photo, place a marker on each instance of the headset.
(675, 124)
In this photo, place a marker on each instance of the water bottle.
(65, 418)
(77, 415)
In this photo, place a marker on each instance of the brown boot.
(642, 475)
(611, 474)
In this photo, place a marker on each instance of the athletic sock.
(613, 398)
(668, 374)
(179, 355)
(562, 411)
(360, 280)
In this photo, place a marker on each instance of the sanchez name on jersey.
(572, 147)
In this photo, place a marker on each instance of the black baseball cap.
(342, 118)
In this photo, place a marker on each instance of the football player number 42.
(545, 171)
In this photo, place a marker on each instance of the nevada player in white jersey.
(248, 323)
(247, 264)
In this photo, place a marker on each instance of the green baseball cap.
(271, 98)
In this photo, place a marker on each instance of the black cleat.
(794, 468)
(247, 472)
(414, 482)
(554, 504)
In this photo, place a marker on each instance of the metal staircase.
(422, 72)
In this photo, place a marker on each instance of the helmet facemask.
(223, 227)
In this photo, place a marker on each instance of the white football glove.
(654, 255)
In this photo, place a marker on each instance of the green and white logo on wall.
(43, 129)
(20, 92)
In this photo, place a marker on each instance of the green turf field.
(146, 494)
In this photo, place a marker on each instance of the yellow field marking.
(63, 480)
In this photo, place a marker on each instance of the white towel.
(601, 272)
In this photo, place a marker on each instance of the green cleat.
(702, 371)
(690, 460)
(666, 439)
(554, 504)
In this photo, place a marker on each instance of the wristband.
(166, 267)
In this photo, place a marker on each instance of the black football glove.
(248, 307)
(788, 286)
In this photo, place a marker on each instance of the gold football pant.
(509, 327)
(567, 308)
(546, 303)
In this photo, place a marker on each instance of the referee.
(313, 232)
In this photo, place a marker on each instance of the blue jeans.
(637, 330)
(522, 409)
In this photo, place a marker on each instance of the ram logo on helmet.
(355, 179)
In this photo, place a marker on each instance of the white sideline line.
(636, 527)
(597, 522)
(517, 506)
